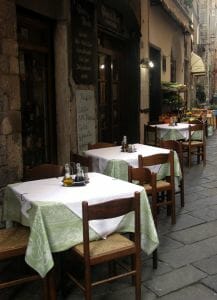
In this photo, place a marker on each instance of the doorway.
(155, 85)
(118, 89)
(37, 89)
(109, 91)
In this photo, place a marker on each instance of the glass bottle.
(79, 174)
(124, 144)
(67, 180)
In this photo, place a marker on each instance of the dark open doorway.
(155, 85)
(37, 89)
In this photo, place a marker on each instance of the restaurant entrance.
(109, 92)
(155, 85)
(37, 90)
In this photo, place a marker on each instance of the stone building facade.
(42, 66)
(10, 118)
(18, 20)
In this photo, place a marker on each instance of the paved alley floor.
(187, 268)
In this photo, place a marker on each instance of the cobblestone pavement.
(187, 266)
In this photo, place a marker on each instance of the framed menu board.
(86, 126)
(83, 42)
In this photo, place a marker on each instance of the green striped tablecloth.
(55, 227)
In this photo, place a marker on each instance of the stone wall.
(10, 118)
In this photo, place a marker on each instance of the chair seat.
(112, 244)
(160, 184)
(193, 143)
(13, 244)
(13, 240)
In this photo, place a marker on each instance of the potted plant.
(172, 101)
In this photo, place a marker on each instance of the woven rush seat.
(13, 239)
(196, 143)
(13, 244)
(110, 245)
(160, 184)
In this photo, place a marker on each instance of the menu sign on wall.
(110, 18)
(85, 104)
(83, 42)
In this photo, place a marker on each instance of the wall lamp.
(146, 63)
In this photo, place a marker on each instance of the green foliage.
(173, 100)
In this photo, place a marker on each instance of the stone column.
(10, 116)
(144, 71)
(62, 93)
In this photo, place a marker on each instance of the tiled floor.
(187, 254)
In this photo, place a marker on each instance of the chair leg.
(198, 154)
(155, 259)
(182, 194)
(171, 197)
(88, 292)
(154, 209)
(173, 219)
(50, 283)
(204, 155)
(138, 277)
(189, 157)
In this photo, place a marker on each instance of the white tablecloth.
(179, 131)
(101, 157)
(53, 214)
(101, 188)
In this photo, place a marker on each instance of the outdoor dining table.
(54, 215)
(175, 132)
(113, 162)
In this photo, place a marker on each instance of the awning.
(197, 65)
(169, 86)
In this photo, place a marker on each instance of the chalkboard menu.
(110, 18)
(86, 127)
(83, 42)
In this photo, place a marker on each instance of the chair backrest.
(110, 209)
(44, 171)
(175, 146)
(204, 122)
(158, 159)
(85, 161)
(141, 175)
(197, 132)
(150, 135)
(100, 145)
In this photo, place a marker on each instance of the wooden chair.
(44, 171)
(196, 144)
(151, 135)
(165, 186)
(177, 146)
(147, 179)
(85, 161)
(100, 145)
(200, 121)
(114, 247)
(13, 244)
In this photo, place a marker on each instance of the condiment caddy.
(78, 179)
(125, 147)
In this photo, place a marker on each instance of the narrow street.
(187, 266)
